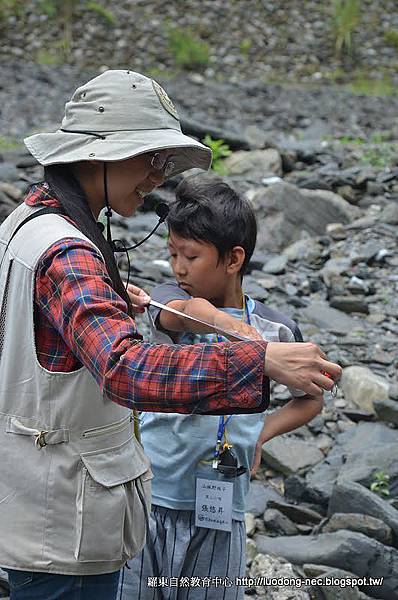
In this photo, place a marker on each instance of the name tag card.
(213, 504)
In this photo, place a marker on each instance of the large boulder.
(285, 211)
(348, 496)
(362, 387)
(356, 456)
(290, 455)
(343, 549)
(255, 162)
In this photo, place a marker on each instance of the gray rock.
(361, 466)
(351, 457)
(306, 249)
(370, 526)
(12, 191)
(250, 523)
(390, 214)
(362, 387)
(8, 172)
(275, 265)
(348, 496)
(297, 513)
(366, 252)
(332, 203)
(261, 162)
(329, 319)
(4, 587)
(386, 410)
(25, 162)
(349, 304)
(343, 549)
(285, 211)
(258, 497)
(278, 523)
(336, 231)
(275, 568)
(333, 268)
(290, 455)
(394, 391)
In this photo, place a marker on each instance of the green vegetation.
(245, 47)
(381, 156)
(189, 52)
(9, 8)
(49, 57)
(367, 86)
(346, 139)
(105, 13)
(391, 37)
(378, 151)
(220, 151)
(345, 20)
(8, 143)
(380, 484)
(64, 13)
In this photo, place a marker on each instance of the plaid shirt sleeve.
(73, 291)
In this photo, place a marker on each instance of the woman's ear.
(235, 260)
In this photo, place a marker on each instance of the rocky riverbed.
(320, 167)
(286, 41)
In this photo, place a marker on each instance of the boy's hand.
(300, 365)
(139, 298)
(262, 438)
(225, 321)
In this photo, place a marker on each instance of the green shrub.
(380, 484)
(380, 157)
(64, 11)
(220, 150)
(391, 38)
(8, 143)
(189, 51)
(49, 57)
(245, 47)
(346, 18)
(106, 14)
(10, 8)
(367, 86)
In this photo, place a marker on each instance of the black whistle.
(228, 464)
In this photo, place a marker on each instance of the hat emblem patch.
(164, 99)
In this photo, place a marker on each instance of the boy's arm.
(294, 414)
(204, 310)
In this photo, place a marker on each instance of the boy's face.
(198, 268)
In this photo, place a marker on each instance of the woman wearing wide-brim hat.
(74, 480)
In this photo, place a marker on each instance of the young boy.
(212, 235)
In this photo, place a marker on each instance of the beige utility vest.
(74, 482)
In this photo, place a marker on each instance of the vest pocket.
(112, 503)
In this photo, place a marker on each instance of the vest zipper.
(106, 429)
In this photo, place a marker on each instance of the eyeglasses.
(160, 162)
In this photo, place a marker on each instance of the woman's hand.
(139, 298)
(230, 323)
(301, 365)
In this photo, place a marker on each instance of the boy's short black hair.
(211, 211)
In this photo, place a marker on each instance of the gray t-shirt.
(181, 447)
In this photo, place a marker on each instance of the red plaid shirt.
(81, 320)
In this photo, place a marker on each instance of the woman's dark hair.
(212, 212)
(72, 198)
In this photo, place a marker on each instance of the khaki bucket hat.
(118, 115)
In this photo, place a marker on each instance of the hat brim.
(64, 148)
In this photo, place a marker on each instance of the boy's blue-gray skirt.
(184, 562)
